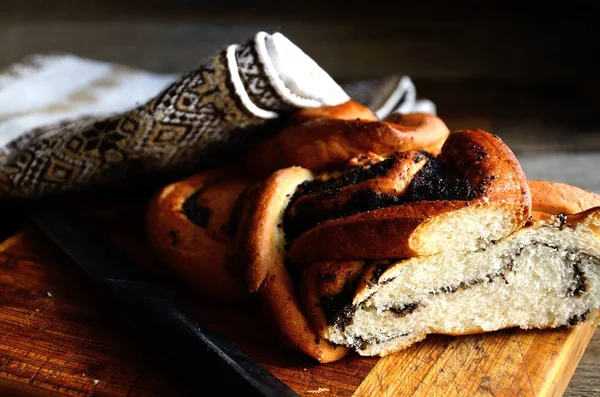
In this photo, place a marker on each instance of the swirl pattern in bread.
(545, 275)
(493, 186)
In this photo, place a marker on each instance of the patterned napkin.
(72, 123)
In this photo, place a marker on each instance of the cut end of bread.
(542, 276)
(479, 226)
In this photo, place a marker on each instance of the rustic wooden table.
(501, 73)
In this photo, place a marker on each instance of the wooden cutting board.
(57, 338)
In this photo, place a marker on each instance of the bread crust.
(280, 301)
(325, 142)
(482, 158)
(556, 198)
(260, 249)
(350, 110)
(259, 242)
(199, 254)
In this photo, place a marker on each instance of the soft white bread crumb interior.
(540, 276)
(468, 229)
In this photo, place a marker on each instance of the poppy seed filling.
(340, 315)
(434, 182)
(197, 214)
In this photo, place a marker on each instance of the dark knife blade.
(204, 360)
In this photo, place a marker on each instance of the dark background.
(526, 71)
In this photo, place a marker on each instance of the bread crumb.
(96, 381)
(319, 390)
(49, 294)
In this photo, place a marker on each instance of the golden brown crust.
(484, 160)
(556, 198)
(490, 166)
(279, 299)
(260, 248)
(350, 110)
(198, 253)
(322, 143)
(377, 234)
(539, 216)
(259, 242)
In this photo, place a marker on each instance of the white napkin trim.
(404, 89)
(239, 86)
(286, 77)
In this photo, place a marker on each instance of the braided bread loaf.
(374, 252)
(200, 249)
(404, 205)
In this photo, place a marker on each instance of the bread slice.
(546, 274)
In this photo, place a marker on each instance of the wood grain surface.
(508, 363)
(56, 336)
(53, 335)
